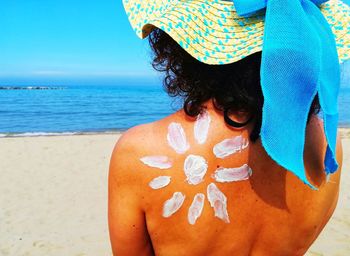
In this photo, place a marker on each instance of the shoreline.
(57, 134)
(344, 132)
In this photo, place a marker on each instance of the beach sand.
(53, 197)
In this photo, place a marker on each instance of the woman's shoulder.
(138, 141)
(143, 136)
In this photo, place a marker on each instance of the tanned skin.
(272, 213)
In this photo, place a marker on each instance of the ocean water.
(85, 109)
(80, 109)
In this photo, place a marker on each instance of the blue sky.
(64, 41)
(71, 42)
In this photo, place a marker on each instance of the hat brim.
(213, 33)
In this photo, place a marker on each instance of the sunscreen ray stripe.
(173, 204)
(160, 182)
(218, 202)
(160, 162)
(177, 138)
(232, 174)
(196, 208)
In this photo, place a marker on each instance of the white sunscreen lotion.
(201, 127)
(173, 204)
(161, 162)
(230, 146)
(218, 201)
(160, 182)
(232, 174)
(196, 208)
(177, 138)
(195, 168)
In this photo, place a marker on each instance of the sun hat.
(302, 43)
(213, 32)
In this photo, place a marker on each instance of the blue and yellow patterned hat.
(213, 32)
(302, 43)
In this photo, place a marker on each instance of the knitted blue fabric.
(299, 59)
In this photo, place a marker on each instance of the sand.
(53, 197)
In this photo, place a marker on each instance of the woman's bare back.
(260, 209)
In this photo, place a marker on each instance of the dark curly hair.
(232, 87)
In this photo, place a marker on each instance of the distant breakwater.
(31, 88)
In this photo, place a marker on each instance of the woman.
(225, 174)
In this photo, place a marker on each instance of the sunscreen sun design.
(218, 201)
(201, 127)
(196, 208)
(232, 174)
(230, 146)
(161, 162)
(160, 182)
(173, 204)
(195, 168)
(177, 138)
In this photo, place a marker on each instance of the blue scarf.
(299, 60)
